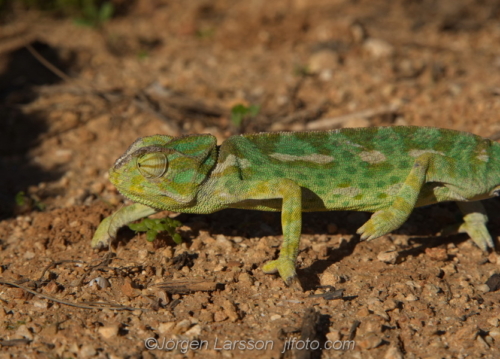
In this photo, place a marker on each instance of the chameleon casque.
(385, 170)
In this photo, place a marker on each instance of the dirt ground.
(74, 98)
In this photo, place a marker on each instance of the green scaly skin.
(386, 170)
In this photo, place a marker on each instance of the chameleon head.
(164, 172)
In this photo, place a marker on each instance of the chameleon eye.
(152, 165)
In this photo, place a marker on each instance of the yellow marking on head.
(417, 153)
(315, 158)
(372, 157)
(347, 191)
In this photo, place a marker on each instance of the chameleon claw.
(285, 268)
(478, 233)
(365, 234)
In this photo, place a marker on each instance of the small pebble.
(378, 48)
(393, 353)
(164, 328)
(483, 288)
(411, 298)
(109, 331)
(388, 257)
(369, 341)
(194, 331)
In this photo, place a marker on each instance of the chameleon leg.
(474, 225)
(109, 226)
(391, 218)
(291, 220)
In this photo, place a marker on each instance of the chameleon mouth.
(138, 199)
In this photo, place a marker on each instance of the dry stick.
(83, 306)
(305, 115)
(326, 123)
(14, 342)
(47, 64)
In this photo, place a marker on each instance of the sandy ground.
(74, 98)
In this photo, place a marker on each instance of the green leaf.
(40, 206)
(239, 112)
(20, 198)
(151, 235)
(159, 226)
(254, 110)
(153, 226)
(177, 238)
(150, 223)
(106, 12)
(138, 227)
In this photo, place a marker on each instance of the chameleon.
(384, 170)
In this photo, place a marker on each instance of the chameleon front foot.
(109, 226)
(101, 238)
(285, 268)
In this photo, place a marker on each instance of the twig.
(82, 306)
(14, 342)
(333, 122)
(47, 64)
(305, 115)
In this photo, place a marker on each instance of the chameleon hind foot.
(380, 223)
(478, 232)
(285, 267)
(476, 229)
(475, 219)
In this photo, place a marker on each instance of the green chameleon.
(385, 170)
